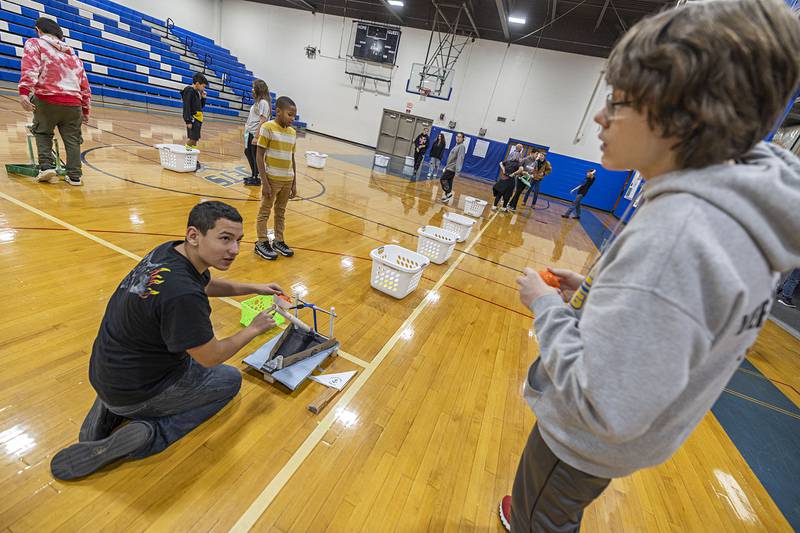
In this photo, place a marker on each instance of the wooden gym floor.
(428, 434)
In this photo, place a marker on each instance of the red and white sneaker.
(505, 512)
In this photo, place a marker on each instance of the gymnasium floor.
(425, 438)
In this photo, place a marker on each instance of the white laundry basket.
(381, 160)
(395, 270)
(458, 224)
(178, 158)
(436, 244)
(316, 159)
(409, 161)
(474, 206)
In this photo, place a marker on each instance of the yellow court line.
(260, 504)
(88, 235)
(352, 358)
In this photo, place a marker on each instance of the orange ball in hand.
(550, 278)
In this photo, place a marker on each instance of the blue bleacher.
(129, 55)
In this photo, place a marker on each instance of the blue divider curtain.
(568, 172)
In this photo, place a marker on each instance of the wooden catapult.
(293, 355)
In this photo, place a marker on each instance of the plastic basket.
(436, 244)
(316, 159)
(381, 160)
(395, 270)
(458, 224)
(409, 161)
(252, 306)
(474, 206)
(177, 158)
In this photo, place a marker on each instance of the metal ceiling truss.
(449, 36)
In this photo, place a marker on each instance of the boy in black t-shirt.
(156, 362)
(194, 100)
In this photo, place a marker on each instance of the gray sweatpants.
(549, 495)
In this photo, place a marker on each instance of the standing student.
(437, 149)
(194, 100)
(260, 112)
(516, 153)
(276, 165)
(54, 86)
(652, 335)
(420, 147)
(581, 191)
(455, 161)
(503, 189)
(541, 168)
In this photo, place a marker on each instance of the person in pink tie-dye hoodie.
(54, 86)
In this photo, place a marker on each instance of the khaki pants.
(279, 198)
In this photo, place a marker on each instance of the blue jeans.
(535, 185)
(194, 398)
(790, 284)
(575, 207)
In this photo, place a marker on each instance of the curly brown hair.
(716, 75)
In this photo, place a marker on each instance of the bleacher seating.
(129, 55)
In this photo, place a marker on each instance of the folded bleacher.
(130, 56)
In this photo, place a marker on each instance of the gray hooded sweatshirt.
(455, 160)
(643, 350)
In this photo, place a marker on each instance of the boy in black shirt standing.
(156, 362)
(194, 100)
(420, 146)
(582, 191)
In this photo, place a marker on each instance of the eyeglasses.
(611, 105)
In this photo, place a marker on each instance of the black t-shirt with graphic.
(158, 312)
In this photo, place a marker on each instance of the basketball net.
(424, 92)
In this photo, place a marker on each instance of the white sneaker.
(494, 208)
(447, 197)
(504, 209)
(47, 176)
(73, 181)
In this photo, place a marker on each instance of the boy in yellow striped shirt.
(276, 166)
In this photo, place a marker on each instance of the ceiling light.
(516, 20)
(396, 3)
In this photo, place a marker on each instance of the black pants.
(418, 157)
(549, 495)
(518, 188)
(504, 188)
(447, 181)
(250, 153)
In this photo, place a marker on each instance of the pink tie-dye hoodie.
(52, 72)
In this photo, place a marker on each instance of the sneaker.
(99, 423)
(84, 458)
(504, 209)
(264, 250)
(73, 181)
(282, 249)
(787, 302)
(251, 181)
(505, 512)
(47, 176)
(494, 208)
(565, 215)
(577, 218)
(447, 197)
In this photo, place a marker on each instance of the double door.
(398, 131)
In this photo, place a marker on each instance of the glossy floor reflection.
(430, 439)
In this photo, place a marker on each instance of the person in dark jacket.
(194, 100)
(437, 149)
(420, 147)
(582, 191)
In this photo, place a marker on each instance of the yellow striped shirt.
(279, 143)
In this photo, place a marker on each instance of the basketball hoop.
(424, 92)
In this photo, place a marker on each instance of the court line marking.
(263, 500)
